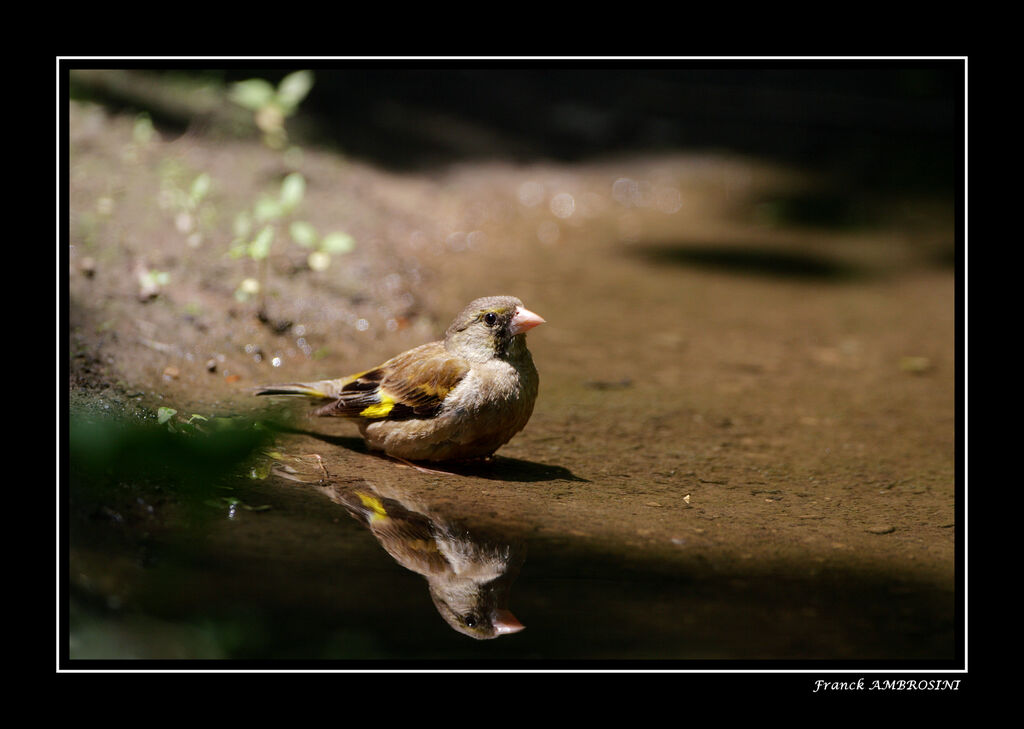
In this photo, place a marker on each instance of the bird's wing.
(412, 385)
(407, 536)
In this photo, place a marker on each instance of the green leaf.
(153, 279)
(242, 226)
(165, 414)
(142, 131)
(259, 248)
(261, 470)
(200, 186)
(338, 243)
(292, 190)
(267, 209)
(252, 94)
(293, 89)
(221, 422)
(303, 233)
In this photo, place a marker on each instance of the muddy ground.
(744, 445)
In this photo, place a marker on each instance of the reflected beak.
(505, 622)
(524, 320)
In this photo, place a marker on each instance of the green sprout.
(319, 258)
(266, 212)
(255, 231)
(271, 106)
(197, 424)
(143, 133)
(150, 283)
(142, 130)
(187, 205)
(259, 249)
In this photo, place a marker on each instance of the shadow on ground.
(497, 468)
(753, 260)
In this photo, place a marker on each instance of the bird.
(460, 398)
(469, 576)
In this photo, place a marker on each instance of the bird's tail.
(322, 390)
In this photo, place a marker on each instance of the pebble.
(881, 529)
(915, 365)
(609, 385)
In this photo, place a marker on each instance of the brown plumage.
(459, 398)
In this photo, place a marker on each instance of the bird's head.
(473, 609)
(490, 327)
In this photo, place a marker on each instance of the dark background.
(885, 126)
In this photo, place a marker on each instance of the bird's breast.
(494, 386)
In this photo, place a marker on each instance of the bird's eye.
(470, 621)
(489, 318)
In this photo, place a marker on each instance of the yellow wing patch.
(380, 409)
(373, 505)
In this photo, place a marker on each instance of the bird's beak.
(524, 320)
(505, 622)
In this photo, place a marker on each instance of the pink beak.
(505, 622)
(524, 320)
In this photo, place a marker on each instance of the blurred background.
(744, 447)
(883, 125)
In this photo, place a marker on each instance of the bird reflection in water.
(468, 576)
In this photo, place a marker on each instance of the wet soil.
(743, 449)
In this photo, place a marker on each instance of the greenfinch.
(459, 398)
(469, 577)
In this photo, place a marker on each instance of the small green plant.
(265, 213)
(319, 258)
(270, 105)
(142, 130)
(192, 214)
(143, 134)
(150, 282)
(256, 230)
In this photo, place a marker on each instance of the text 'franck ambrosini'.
(888, 685)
